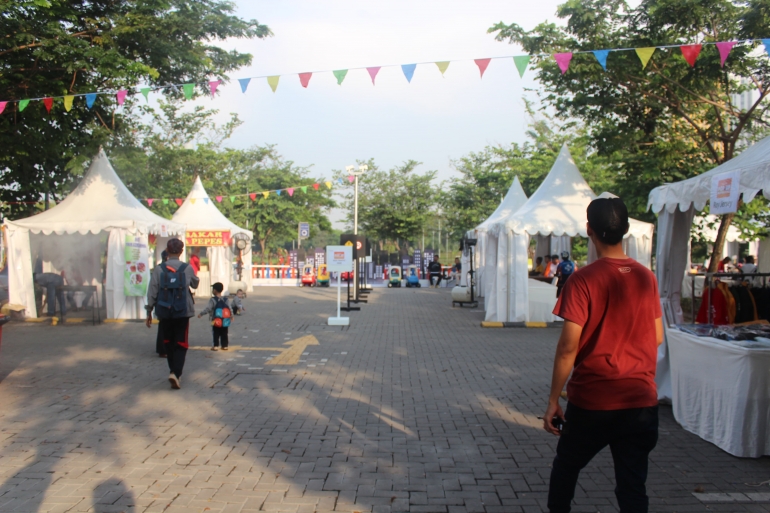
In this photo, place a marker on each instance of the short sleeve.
(572, 304)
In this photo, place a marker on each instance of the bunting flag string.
(690, 52)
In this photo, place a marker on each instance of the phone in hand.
(557, 423)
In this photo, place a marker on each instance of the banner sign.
(339, 258)
(207, 238)
(320, 257)
(725, 190)
(137, 273)
(293, 259)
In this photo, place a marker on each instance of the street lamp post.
(363, 168)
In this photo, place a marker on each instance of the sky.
(432, 120)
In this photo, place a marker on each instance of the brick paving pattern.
(413, 408)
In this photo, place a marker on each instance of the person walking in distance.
(609, 344)
(160, 347)
(169, 294)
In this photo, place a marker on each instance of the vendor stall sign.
(339, 258)
(725, 190)
(137, 272)
(207, 238)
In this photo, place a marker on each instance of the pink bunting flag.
(213, 86)
(482, 64)
(291, 191)
(253, 196)
(179, 201)
(690, 53)
(2, 106)
(48, 102)
(304, 79)
(373, 72)
(563, 60)
(149, 201)
(219, 199)
(121, 96)
(351, 178)
(315, 185)
(724, 51)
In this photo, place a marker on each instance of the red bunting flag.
(724, 51)
(179, 201)
(482, 64)
(563, 60)
(213, 86)
(253, 196)
(373, 72)
(149, 201)
(219, 199)
(304, 79)
(48, 102)
(351, 178)
(315, 185)
(2, 106)
(291, 191)
(690, 53)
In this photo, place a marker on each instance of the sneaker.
(215, 348)
(174, 381)
(225, 349)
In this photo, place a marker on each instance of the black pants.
(220, 334)
(631, 435)
(160, 347)
(175, 342)
(437, 276)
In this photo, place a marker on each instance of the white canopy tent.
(69, 235)
(558, 209)
(199, 213)
(512, 201)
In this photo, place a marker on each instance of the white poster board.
(725, 192)
(339, 258)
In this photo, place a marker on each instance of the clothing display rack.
(730, 279)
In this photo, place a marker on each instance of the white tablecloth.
(721, 392)
(542, 299)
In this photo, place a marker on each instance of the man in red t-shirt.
(612, 329)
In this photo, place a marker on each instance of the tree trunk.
(716, 255)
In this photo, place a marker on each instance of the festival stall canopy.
(199, 213)
(514, 199)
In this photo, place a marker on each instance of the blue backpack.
(172, 296)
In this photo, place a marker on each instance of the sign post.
(339, 259)
(303, 232)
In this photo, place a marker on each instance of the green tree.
(66, 47)
(669, 121)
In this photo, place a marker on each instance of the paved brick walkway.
(413, 408)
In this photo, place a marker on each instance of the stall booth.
(513, 200)
(719, 389)
(100, 217)
(556, 209)
(207, 227)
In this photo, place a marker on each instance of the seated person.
(552, 266)
(434, 271)
(539, 268)
(238, 303)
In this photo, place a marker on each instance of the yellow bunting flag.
(442, 66)
(68, 102)
(329, 185)
(192, 200)
(265, 193)
(645, 54)
(273, 82)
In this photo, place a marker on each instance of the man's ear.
(589, 231)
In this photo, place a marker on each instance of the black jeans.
(175, 342)
(631, 435)
(220, 334)
(438, 276)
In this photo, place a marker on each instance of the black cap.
(608, 218)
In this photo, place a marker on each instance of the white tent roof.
(753, 164)
(198, 212)
(512, 202)
(99, 203)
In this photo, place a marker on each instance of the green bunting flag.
(521, 62)
(442, 66)
(165, 201)
(645, 54)
(23, 105)
(232, 199)
(188, 90)
(304, 189)
(340, 75)
(146, 92)
(273, 82)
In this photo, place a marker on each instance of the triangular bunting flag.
(482, 64)
(121, 95)
(90, 99)
(339, 180)
(213, 86)
(67, 102)
(273, 82)
(244, 83)
(644, 54)
(563, 59)
(192, 200)
(690, 53)
(304, 189)
(304, 79)
(442, 66)
(48, 102)
(315, 186)
(23, 104)
(146, 92)
(724, 51)
(179, 201)
(328, 185)
(149, 201)
(373, 72)
(601, 56)
(206, 201)
(219, 199)
(408, 70)
(265, 194)
(278, 192)
(291, 191)
(766, 42)
(232, 199)
(2, 106)
(188, 90)
(253, 196)
(340, 75)
(521, 62)
(165, 201)
(351, 178)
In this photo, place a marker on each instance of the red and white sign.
(339, 258)
(725, 191)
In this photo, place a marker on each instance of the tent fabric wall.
(21, 290)
(120, 306)
(220, 265)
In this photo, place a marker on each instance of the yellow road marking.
(491, 324)
(535, 324)
(241, 348)
(292, 355)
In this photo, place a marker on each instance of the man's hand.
(148, 321)
(199, 316)
(550, 412)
